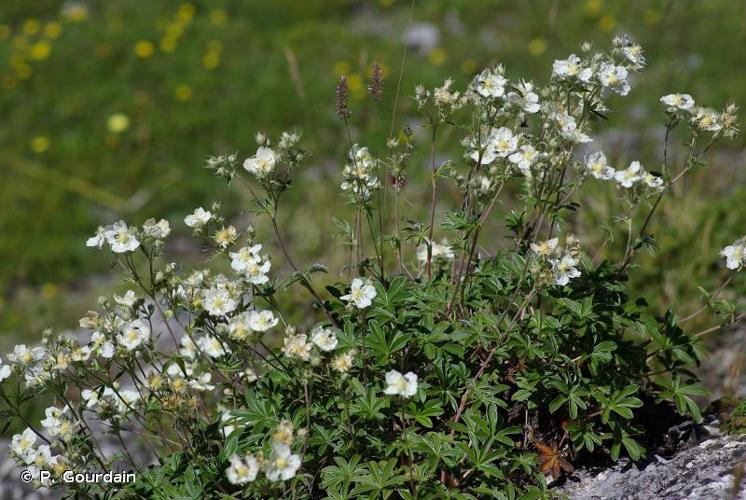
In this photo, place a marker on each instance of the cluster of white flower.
(562, 262)
(35, 457)
(111, 402)
(703, 119)
(247, 262)
(362, 293)
(611, 73)
(298, 345)
(281, 465)
(443, 100)
(735, 254)
(118, 236)
(597, 166)
(360, 174)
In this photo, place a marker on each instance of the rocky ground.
(708, 466)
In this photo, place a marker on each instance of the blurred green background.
(110, 109)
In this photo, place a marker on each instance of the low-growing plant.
(434, 369)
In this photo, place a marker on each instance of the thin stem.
(434, 185)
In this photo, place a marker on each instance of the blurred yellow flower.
(118, 123)
(39, 144)
(341, 68)
(437, 56)
(215, 45)
(49, 290)
(40, 50)
(5, 31)
(185, 12)
(31, 27)
(218, 17)
(211, 60)
(168, 44)
(607, 23)
(356, 86)
(469, 66)
(183, 93)
(537, 46)
(652, 16)
(593, 7)
(23, 71)
(144, 49)
(53, 30)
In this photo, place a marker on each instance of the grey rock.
(704, 471)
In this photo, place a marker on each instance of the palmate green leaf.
(343, 473)
(621, 402)
(422, 413)
(680, 394)
(382, 479)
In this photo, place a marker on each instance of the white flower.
(707, 120)
(4, 371)
(261, 321)
(485, 154)
(296, 346)
(401, 385)
(199, 218)
(598, 167)
(98, 239)
(490, 84)
(22, 446)
(256, 272)
(90, 397)
(441, 251)
(22, 355)
(218, 301)
(324, 338)
(157, 230)
(735, 255)
(134, 334)
(225, 236)
(262, 163)
(239, 327)
(242, 470)
(43, 457)
(678, 101)
(614, 78)
(202, 382)
(283, 464)
(628, 177)
(362, 293)
(188, 348)
(122, 238)
(634, 54)
(128, 300)
(564, 269)
(504, 142)
(545, 248)
(653, 181)
(569, 129)
(525, 98)
(55, 419)
(343, 362)
(571, 68)
(102, 345)
(524, 158)
(212, 346)
(240, 260)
